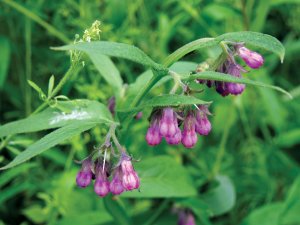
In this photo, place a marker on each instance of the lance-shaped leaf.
(51, 140)
(211, 75)
(168, 100)
(255, 39)
(114, 49)
(74, 111)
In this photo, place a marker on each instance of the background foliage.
(245, 172)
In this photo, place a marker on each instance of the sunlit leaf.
(50, 140)
(78, 110)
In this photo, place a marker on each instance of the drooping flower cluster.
(166, 123)
(252, 59)
(124, 177)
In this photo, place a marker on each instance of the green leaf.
(51, 140)
(288, 139)
(173, 100)
(266, 215)
(199, 207)
(168, 100)
(108, 70)
(86, 218)
(162, 177)
(259, 40)
(77, 110)
(114, 49)
(211, 75)
(222, 198)
(290, 213)
(183, 67)
(36, 87)
(4, 59)
(117, 211)
(36, 214)
(51, 85)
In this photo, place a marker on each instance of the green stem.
(38, 20)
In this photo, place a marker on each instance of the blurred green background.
(252, 152)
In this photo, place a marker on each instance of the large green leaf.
(259, 40)
(114, 49)
(79, 110)
(108, 70)
(162, 177)
(211, 75)
(264, 41)
(51, 140)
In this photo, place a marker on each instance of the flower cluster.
(124, 177)
(252, 59)
(166, 123)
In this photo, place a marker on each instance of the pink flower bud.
(252, 59)
(203, 126)
(168, 123)
(126, 164)
(130, 181)
(153, 136)
(84, 176)
(101, 186)
(175, 140)
(116, 186)
(189, 136)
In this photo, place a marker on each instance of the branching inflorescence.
(176, 124)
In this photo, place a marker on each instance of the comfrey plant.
(177, 117)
